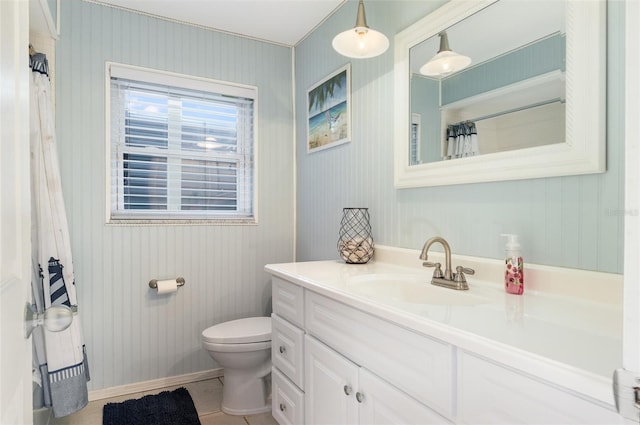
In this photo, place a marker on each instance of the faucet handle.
(438, 271)
(466, 270)
(458, 276)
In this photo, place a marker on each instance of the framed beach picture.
(329, 111)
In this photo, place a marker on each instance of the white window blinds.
(180, 147)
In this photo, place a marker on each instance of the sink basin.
(407, 288)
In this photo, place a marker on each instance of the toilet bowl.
(243, 348)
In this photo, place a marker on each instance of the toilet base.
(243, 393)
(243, 412)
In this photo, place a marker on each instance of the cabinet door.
(382, 403)
(416, 364)
(331, 382)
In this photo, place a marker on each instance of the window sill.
(183, 222)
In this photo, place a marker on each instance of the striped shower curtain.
(60, 363)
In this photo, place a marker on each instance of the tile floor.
(206, 395)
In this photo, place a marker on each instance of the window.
(414, 146)
(181, 148)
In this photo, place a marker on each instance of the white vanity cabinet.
(420, 366)
(341, 360)
(340, 392)
(334, 364)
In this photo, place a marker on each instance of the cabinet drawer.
(492, 394)
(288, 300)
(416, 364)
(287, 348)
(287, 401)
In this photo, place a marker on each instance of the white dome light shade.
(360, 42)
(445, 63)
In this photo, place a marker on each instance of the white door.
(631, 324)
(15, 217)
(383, 404)
(631, 357)
(331, 383)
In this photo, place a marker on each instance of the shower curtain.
(462, 140)
(60, 361)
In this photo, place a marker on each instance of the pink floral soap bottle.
(514, 272)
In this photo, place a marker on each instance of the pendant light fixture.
(361, 41)
(446, 61)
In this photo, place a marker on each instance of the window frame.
(183, 81)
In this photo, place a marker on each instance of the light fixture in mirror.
(446, 61)
(557, 146)
(361, 41)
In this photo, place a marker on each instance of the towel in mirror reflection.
(462, 140)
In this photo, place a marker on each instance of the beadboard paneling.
(540, 57)
(574, 222)
(132, 334)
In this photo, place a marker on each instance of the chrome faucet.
(447, 279)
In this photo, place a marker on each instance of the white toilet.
(243, 348)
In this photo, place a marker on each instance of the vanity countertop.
(575, 342)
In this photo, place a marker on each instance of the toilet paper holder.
(153, 283)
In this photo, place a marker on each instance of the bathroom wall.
(537, 58)
(425, 101)
(132, 334)
(573, 221)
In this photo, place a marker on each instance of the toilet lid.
(241, 331)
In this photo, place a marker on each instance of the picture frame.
(329, 111)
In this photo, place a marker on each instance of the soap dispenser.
(514, 266)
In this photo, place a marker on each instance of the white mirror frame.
(584, 151)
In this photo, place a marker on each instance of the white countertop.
(575, 342)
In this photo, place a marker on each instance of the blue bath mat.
(167, 408)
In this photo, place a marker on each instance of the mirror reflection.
(510, 96)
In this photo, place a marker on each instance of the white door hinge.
(626, 391)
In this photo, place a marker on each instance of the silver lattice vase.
(355, 244)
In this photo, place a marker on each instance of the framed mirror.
(534, 94)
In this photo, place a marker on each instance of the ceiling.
(500, 28)
(284, 22)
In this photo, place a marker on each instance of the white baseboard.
(154, 384)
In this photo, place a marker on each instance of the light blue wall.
(535, 59)
(568, 221)
(425, 100)
(133, 335)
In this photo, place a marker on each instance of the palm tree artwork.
(328, 111)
